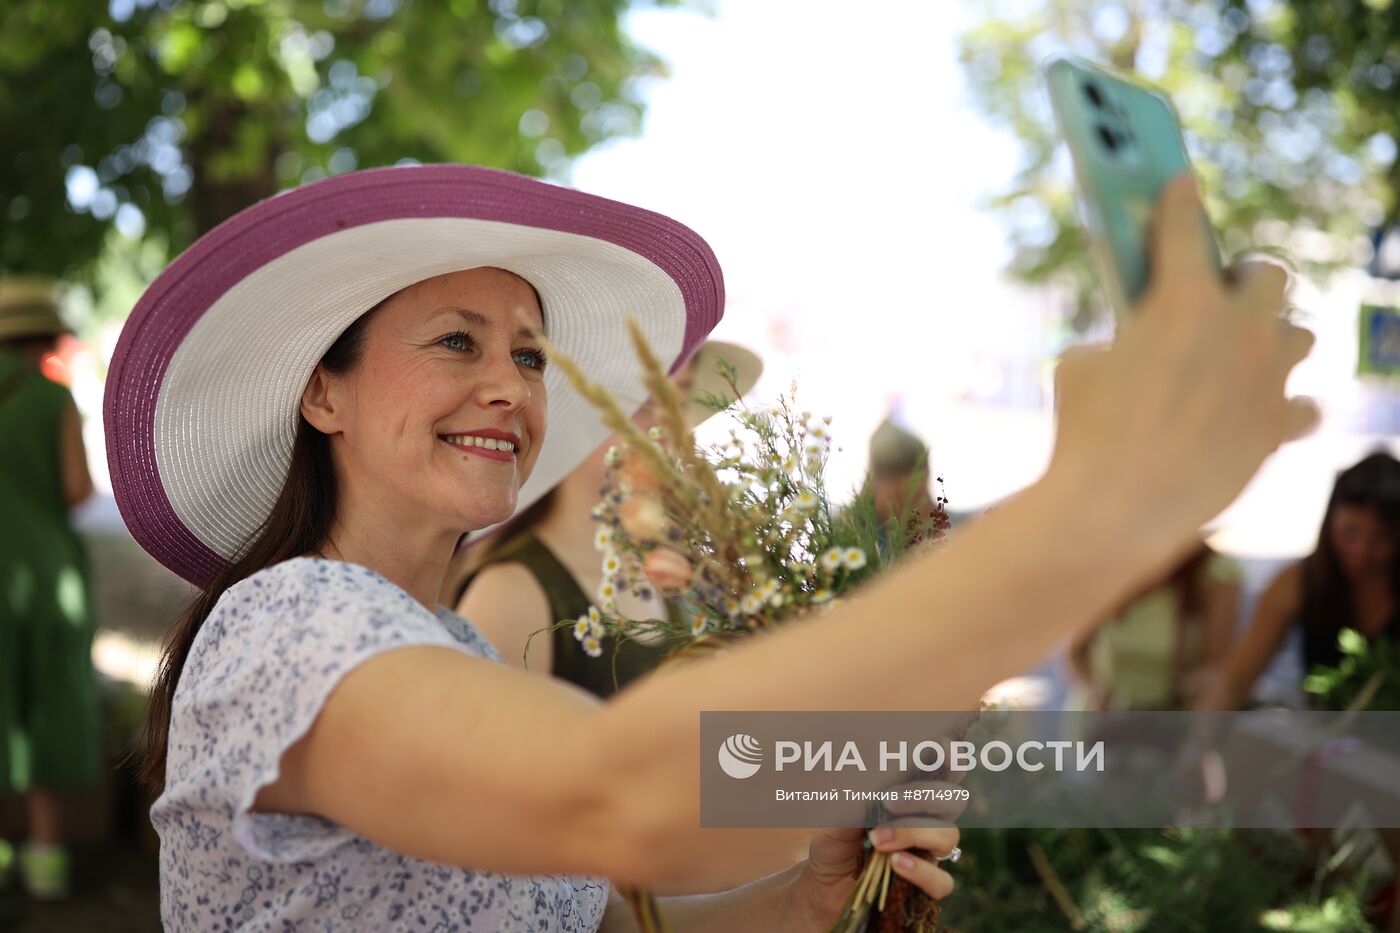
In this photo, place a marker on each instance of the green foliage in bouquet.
(1367, 677)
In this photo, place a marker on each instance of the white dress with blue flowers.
(260, 669)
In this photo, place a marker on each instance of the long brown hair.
(1372, 483)
(298, 524)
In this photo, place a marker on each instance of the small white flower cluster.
(817, 439)
(769, 592)
(588, 628)
(802, 505)
(851, 558)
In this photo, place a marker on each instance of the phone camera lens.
(1110, 140)
(1091, 91)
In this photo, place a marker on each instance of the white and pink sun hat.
(202, 394)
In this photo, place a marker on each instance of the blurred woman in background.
(1351, 580)
(1162, 649)
(48, 706)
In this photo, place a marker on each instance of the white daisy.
(731, 607)
(854, 558)
(611, 565)
(806, 501)
(603, 539)
(581, 628)
(592, 647)
(821, 596)
(750, 603)
(596, 630)
(594, 615)
(607, 592)
(698, 624)
(831, 559)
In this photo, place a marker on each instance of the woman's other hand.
(833, 860)
(833, 857)
(1173, 419)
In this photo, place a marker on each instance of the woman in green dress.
(48, 707)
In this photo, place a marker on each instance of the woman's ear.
(318, 402)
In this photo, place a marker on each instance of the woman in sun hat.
(48, 698)
(545, 566)
(298, 415)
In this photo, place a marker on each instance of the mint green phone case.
(1126, 144)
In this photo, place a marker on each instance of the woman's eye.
(457, 341)
(532, 358)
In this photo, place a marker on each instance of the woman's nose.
(502, 384)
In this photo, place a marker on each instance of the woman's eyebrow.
(477, 319)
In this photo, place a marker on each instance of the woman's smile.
(489, 447)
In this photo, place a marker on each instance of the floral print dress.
(260, 669)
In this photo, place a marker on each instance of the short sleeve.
(277, 645)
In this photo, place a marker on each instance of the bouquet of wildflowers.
(744, 535)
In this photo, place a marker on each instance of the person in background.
(48, 704)
(899, 471)
(545, 566)
(1161, 650)
(897, 479)
(1350, 580)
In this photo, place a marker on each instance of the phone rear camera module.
(1091, 91)
(1108, 138)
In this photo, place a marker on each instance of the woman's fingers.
(922, 873)
(1261, 285)
(1180, 246)
(1298, 343)
(892, 837)
(1301, 417)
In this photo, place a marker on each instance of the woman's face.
(1363, 544)
(447, 363)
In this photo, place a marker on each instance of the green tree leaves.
(156, 119)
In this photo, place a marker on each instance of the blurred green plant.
(1131, 880)
(1367, 676)
(157, 119)
(1289, 110)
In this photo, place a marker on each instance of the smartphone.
(1126, 143)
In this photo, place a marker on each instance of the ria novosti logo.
(740, 756)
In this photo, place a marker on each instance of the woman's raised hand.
(1170, 422)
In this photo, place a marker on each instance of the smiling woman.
(293, 415)
(434, 401)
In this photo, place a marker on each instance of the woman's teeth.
(470, 440)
